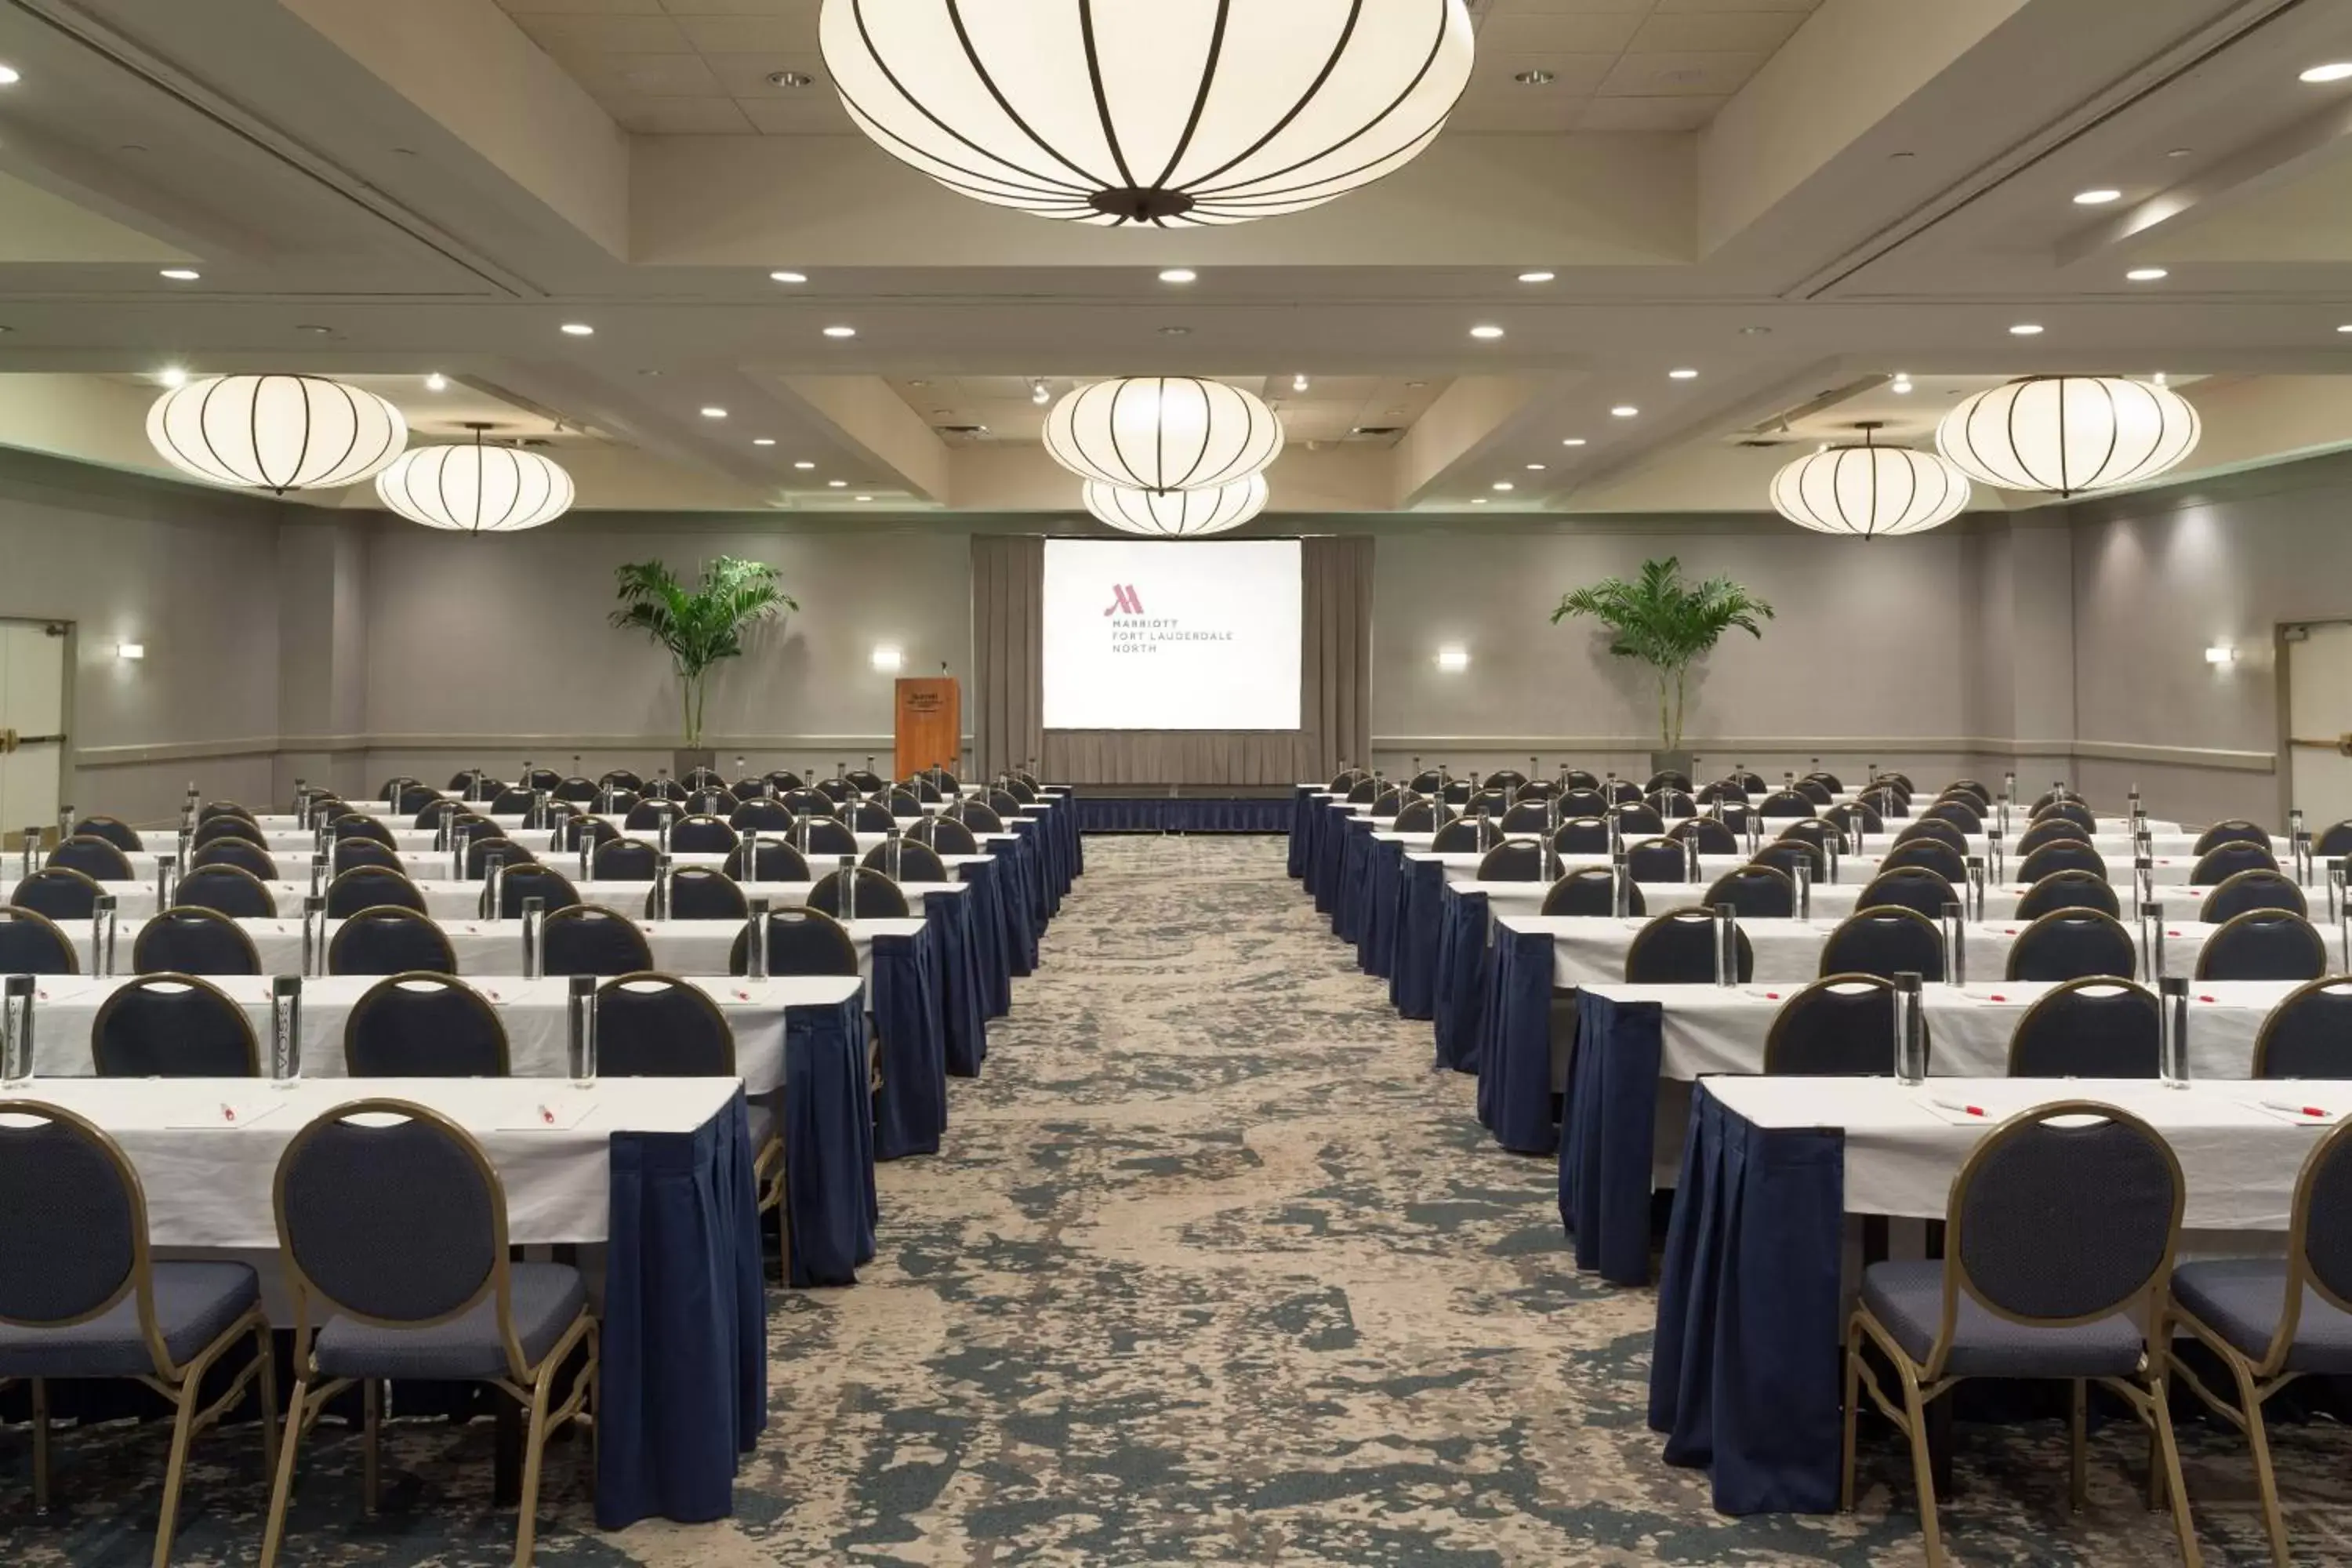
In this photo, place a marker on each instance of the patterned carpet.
(1213, 1269)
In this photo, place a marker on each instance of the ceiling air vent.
(971, 432)
(1375, 432)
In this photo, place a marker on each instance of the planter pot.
(1676, 762)
(683, 762)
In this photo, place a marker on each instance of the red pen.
(229, 1113)
(1964, 1110)
(2296, 1109)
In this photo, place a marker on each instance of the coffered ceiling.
(1791, 199)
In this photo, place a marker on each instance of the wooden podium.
(930, 731)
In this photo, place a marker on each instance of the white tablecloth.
(2239, 1160)
(209, 1176)
(532, 1012)
(446, 901)
(2171, 881)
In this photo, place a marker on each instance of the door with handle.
(32, 726)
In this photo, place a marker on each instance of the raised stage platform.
(1183, 809)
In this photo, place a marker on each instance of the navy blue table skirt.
(1355, 862)
(1461, 975)
(1513, 1029)
(685, 1380)
(1744, 1371)
(1301, 815)
(1412, 979)
(828, 1130)
(911, 1112)
(1610, 1136)
(986, 878)
(1330, 848)
(1016, 864)
(1184, 814)
(1376, 927)
(964, 1007)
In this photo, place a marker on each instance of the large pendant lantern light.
(2068, 434)
(475, 488)
(1176, 514)
(1869, 491)
(1163, 113)
(1162, 433)
(276, 433)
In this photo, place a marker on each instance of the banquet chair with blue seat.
(866, 781)
(1909, 888)
(437, 810)
(357, 827)
(480, 851)
(60, 892)
(589, 939)
(868, 817)
(1936, 829)
(2254, 889)
(213, 809)
(389, 792)
(414, 797)
(903, 860)
(1748, 779)
(777, 862)
(624, 860)
(372, 887)
(1840, 1025)
(1827, 779)
(2335, 841)
(802, 941)
(1493, 803)
(2235, 830)
(422, 1024)
(703, 893)
(1813, 830)
(1007, 805)
(838, 789)
(823, 836)
(648, 816)
(2053, 830)
(1713, 837)
(228, 826)
(1624, 792)
(2097, 1026)
(1726, 790)
(808, 802)
(1583, 803)
(32, 944)
(183, 939)
(1855, 817)
(512, 802)
(710, 802)
(877, 897)
(976, 814)
(350, 852)
(1657, 860)
(396, 1255)
(1513, 860)
(2271, 1320)
(1673, 804)
(1579, 778)
(949, 836)
(1934, 854)
(1813, 790)
(474, 783)
(388, 939)
(2308, 1034)
(1668, 778)
(784, 781)
(2073, 810)
(2060, 1235)
(2068, 890)
(113, 829)
(1785, 854)
(2223, 861)
(538, 779)
(2062, 796)
(1527, 816)
(1508, 780)
(1465, 836)
(597, 830)
(621, 778)
(1366, 788)
(1639, 819)
(1971, 787)
(1787, 803)
(230, 889)
(2072, 943)
(1589, 892)
(2063, 855)
(171, 1026)
(94, 857)
(657, 1026)
(664, 787)
(528, 880)
(1887, 940)
(1757, 890)
(1538, 789)
(1677, 948)
(1961, 813)
(238, 852)
(761, 817)
(86, 1299)
(1416, 817)
(575, 791)
(2264, 944)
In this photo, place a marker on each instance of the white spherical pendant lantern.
(1162, 433)
(1161, 113)
(1176, 514)
(1868, 491)
(475, 488)
(275, 433)
(2068, 434)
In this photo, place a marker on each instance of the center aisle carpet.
(1213, 1268)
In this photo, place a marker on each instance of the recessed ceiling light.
(2179, 152)
(577, 330)
(1175, 331)
(1901, 385)
(1505, 485)
(1755, 331)
(1298, 383)
(789, 277)
(1624, 411)
(10, 76)
(314, 329)
(172, 375)
(841, 331)
(861, 498)
(714, 414)
(1571, 440)
(1485, 331)
(1415, 385)
(837, 484)
(791, 79)
(2145, 274)
(2334, 71)
(1177, 274)
(436, 381)
(1537, 78)
(2346, 327)
(180, 274)
(1685, 374)
(2026, 330)
(803, 465)
(2099, 197)
(764, 440)
(1478, 500)
(1537, 276)
(1534, 468)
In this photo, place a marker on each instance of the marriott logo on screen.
(1131, 633)
(1124, 600)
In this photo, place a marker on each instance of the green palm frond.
(701, 625)
(1663, 621)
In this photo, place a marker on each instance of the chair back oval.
(1677, 947)
(782, 781)
(480, 852)
(1962, 811)
(2098, 1026)
(1513, 860)
(390, 939)
(1667, 778)
(2072, 943)
(1841, 1026)
(32, 944)
(1587, 891)
(1785, 854)
(2308, 1034)
(1526, 816)
(807, 803)
(2065, 855)
(1886, 941)
(1638, 819)
(1581, 835)
(775, 861)
(94, 858)
(710, 802)
(802, 941)
(1673, 804)
(73, 1236)
(2047, 798)
(576, 791)
(2068, 890)
(113, 829)
(2334, 841)
(977, 816)
(230, 889)
(414, 797)
(2252, 890)
(624, 860)
(1971, 787)
(2073, 810)
(2053, 830)
(241, 853)
(824, 836)
(1787, 803)
(621, 778)
(2223, 861)
(368, 827)
(945, 835)
(1813, 790)
(595, 830)
(1505, 779)
(61, 892)
(214, 809)
(1465, 835)
(1758, 891)
(589, 939)
(1657, 860)
(227, 826)
(350, 852)
(369, 887)
(878, 897)
(704, 893)
(1714, 837)
(870, 816)
(2235, 830)
(420, 1024)
(528, 880)
(173, 1026)
(2264, 944)
(1934, 854)
(513, 802)
(657, 1026)
(761, 817)
(917, 863)
(646, 816)
(1937, 829)
(1584, 801)
(1909, 888)
(190, 941)
(1855, 817)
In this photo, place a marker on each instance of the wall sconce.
(1453, 659)
(888, 659)
(2221, 652)
(131, 650)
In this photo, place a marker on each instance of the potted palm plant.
(1667, 622)
(698, 626)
